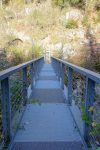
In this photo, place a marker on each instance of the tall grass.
(71, 24)
(19, 54)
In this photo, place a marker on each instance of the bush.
(37, 51)
(97, 66)
(15, 54)
(71, 24)
(58, 2)
(73, 2)
(85, 21)
(64, 2)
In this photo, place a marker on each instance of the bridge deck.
(47, 124)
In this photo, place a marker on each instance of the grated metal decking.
(47, 125)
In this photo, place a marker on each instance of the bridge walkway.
(47, 123)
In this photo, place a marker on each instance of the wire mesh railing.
(94, 124)
(1, 128)
(17, 100)
(14, 84)
(82, 88)
(28, 75)
(78, 96)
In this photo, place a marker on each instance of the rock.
(80, 34)
(68, 50)
(59, 46)
(28, 11)
(22, 35)
(74, 14)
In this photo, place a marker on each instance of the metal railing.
(14, 84)
(68, 74)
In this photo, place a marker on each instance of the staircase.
(47, 124)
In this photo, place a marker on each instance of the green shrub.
(37, 51)
(73, 2)
(85, 116)
(16, 54)
(58, 2)
(71, 24)
(19, 53)
(96, 129)
(97, 66)
(64, 2)
(85, 21)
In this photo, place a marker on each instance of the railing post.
(32, 74)
(36, 70)
(70, 85)
(6, 110)
(52, 61)
(42, 62)
(62, 75)
(89, 99)
(54, 65)
(59, 71)
(56, 69)
(39, 65)
(25, 85)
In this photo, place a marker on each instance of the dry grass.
(32, 23)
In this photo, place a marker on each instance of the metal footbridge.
(38, 113)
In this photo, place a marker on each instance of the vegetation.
(37, 51)
(85, 21)
(65, 2)
(35, 101)
(96, 129)
(71, 24)
(85, 116)
(16, 96)
(29, 27)
(33, 21)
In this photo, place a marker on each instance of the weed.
(35, 101)
(85, 21)
(71, 24)
(85, 116)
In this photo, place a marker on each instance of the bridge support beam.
(6, 110)
(89, 100)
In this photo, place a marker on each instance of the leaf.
(94, 124)
(91, 108)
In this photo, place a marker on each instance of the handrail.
(5, 91)
(91, 78)
(6, 73)
(85, 72)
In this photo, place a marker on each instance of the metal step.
(47, 146)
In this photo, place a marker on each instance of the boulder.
(74, 14)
